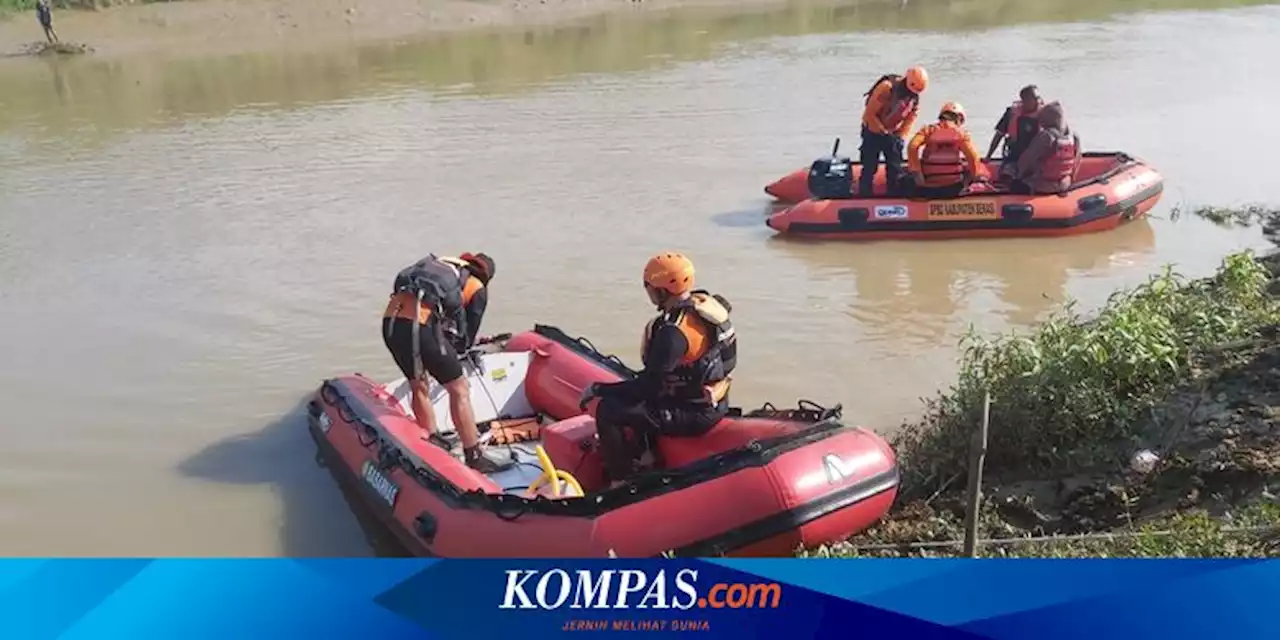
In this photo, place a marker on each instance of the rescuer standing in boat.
(689, 351)
(892, 105)
(434, 315)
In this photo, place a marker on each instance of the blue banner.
(472, 599)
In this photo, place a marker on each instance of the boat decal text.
(384, 487)
(964, 210)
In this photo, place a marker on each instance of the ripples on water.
(188, 249)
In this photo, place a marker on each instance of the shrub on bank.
(1074, 392)
(1075, 398)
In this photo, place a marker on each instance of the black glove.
(590, 393)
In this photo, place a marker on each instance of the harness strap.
(417, 347)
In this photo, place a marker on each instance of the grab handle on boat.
(553, 475)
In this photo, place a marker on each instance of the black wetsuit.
(637, 405)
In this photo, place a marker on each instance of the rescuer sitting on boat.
(1017, 127)
(434, 314)
(942, 158)
(689, 351)
(892, 105)
(1052, 158)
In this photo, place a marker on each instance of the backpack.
(891, 77)
(437, 283)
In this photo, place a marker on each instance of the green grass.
(1072, 394)
(1073, 399)
(15, 6)
(30, 5)
(1252, 532)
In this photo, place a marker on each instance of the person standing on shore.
(44, 12)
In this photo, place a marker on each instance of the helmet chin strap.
(670, 299)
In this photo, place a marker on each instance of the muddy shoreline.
(226, 27)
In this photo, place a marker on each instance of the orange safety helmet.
(670, 272)
(952, 107)
(917, 80)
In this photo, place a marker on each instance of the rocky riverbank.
(1149, 429)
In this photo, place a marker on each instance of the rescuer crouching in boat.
(689, 352)
(942, 158)
(1051, 160)
(1017, 127)
(434, 314)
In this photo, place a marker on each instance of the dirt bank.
(207, 27)
(1074, 481)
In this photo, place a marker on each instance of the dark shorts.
(439, 360)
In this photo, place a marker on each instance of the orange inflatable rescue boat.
(759, 483)
(1111, 188)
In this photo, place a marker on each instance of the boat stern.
(832, 488)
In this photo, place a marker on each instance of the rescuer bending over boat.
(689, 352)
(434, 314)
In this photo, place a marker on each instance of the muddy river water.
(189, 245)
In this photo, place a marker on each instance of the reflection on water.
(914, 291)
(140, 92)
(188, 246)
(272, 458)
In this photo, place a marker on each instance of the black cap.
(482, 266)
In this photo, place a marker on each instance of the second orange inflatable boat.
(1111, 188)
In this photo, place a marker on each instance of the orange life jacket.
(1021, 122)
(703, 375)
(1021, 130)
(941, 160)
(896, 111)
(1060, 164)
(402, 303)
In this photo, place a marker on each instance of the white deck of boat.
(497, 392)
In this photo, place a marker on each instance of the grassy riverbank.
(226, 27)
(15, 6)
(1189, 370)
(27, 5)
(220, 27)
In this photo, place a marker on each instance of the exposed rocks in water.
(56, 48)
